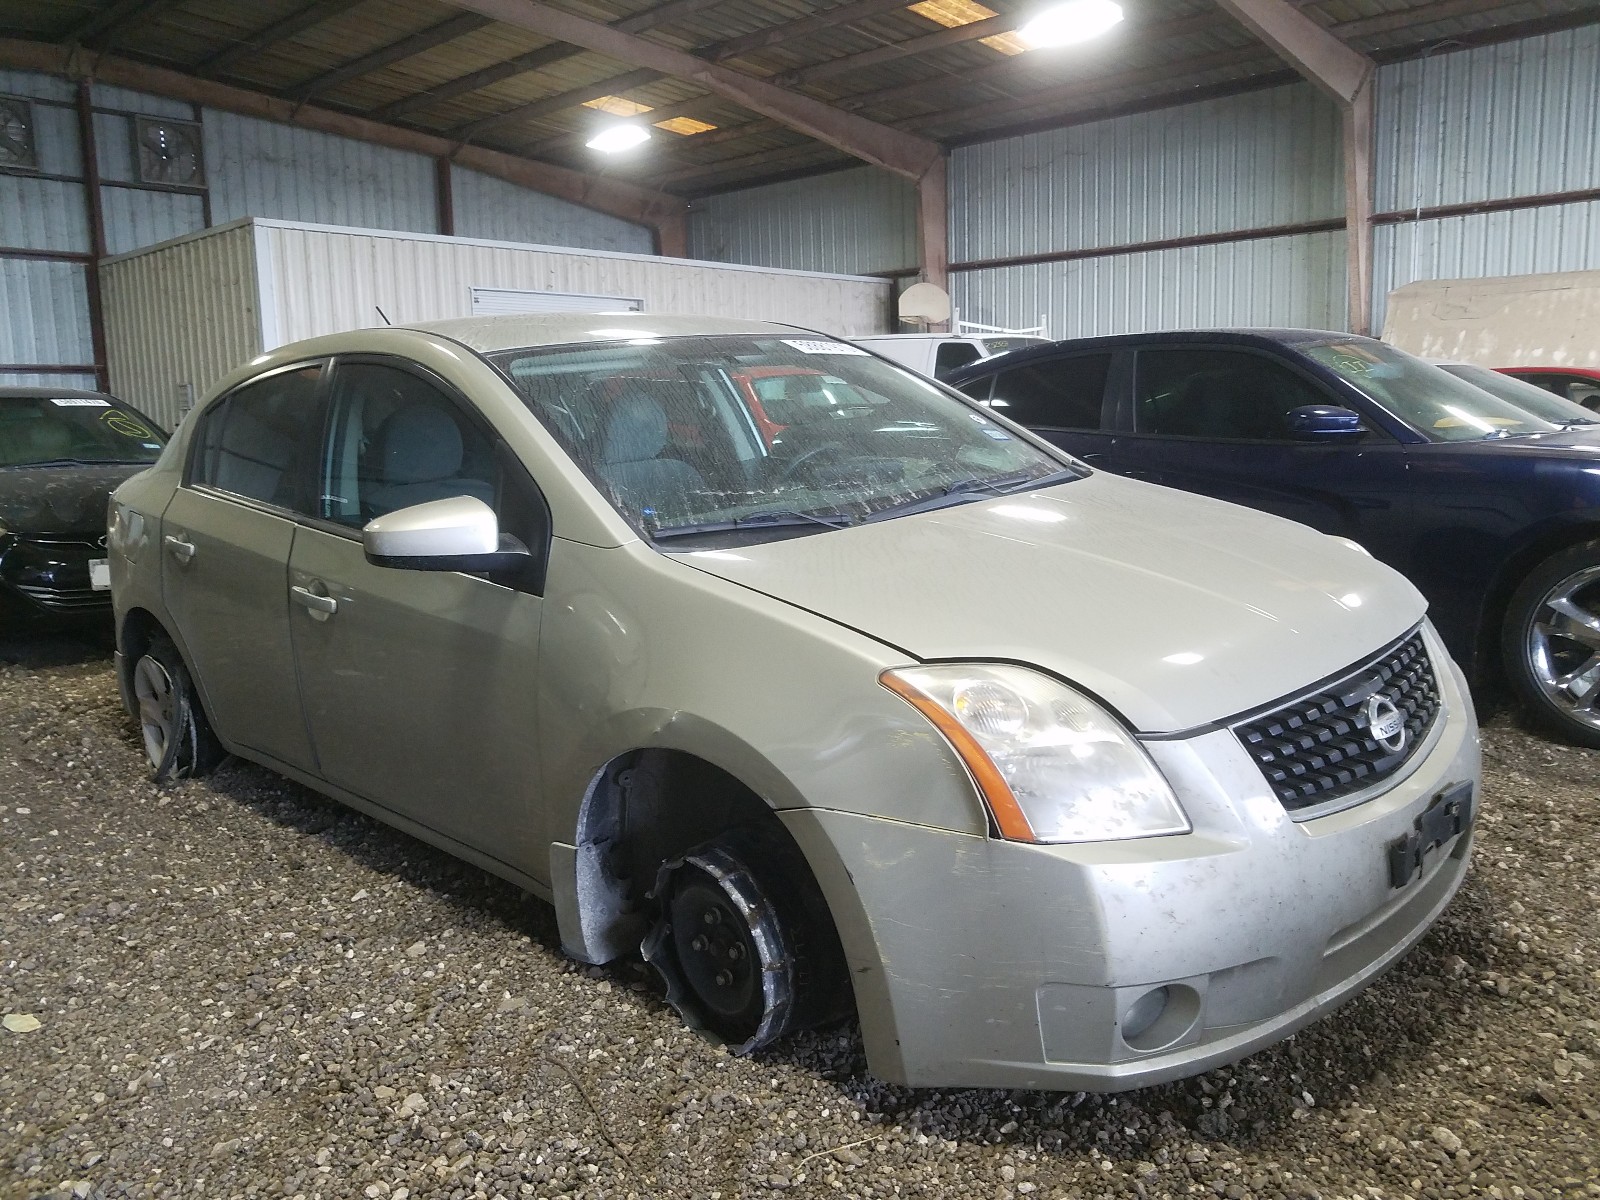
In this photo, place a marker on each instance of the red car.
(1581, 385)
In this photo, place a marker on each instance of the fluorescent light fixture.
(1074, 21)
(618, 138)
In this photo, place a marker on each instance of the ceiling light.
(618, 138)
(1075, 21)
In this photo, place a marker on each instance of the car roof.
(1235, 337)
(1590, 372)
(520, 330)
(50, 393)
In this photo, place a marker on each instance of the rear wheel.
(740, 942)
(177, 739)
(1551, 643)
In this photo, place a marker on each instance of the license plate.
(1449, 814)
(100, 574)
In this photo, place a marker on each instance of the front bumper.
(45, 577)
(980, 962)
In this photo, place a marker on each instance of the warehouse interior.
(1177, 172)
(517, 623)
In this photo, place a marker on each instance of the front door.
(1213, 420)
(226, 539)
(419, 686)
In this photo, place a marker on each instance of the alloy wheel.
(158, 706)
(1563, 646)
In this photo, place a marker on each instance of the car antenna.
(386, 320)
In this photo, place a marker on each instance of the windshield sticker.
(80, 402)
(818, 346)
(999, 435)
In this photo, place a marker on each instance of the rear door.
(1213, 419)
(226, 539)
(1064, 399)
(420, 686)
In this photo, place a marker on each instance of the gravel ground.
(242, 989)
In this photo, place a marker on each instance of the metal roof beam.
(624, 200)
(299, 21)
(903, 153)
(105, 26)
(1306, 46)
(760, 39)
(535, 60)
(417, 43)
(557, 103)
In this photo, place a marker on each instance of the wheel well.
(139, 628)
(1510, 576)
(649, 807)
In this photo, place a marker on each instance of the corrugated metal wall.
(858, 222)
(180, 317)
(1260, 160)
(486, 207)
(263, 169)
(44, 305)
(1274, 281)
(1518, 119)
(1245, 162)
(326, 280)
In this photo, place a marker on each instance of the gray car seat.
(635, 435)
(418, 458)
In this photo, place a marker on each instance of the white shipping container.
(181, 315)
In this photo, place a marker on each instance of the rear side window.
(952, 355)
(1222, 394)
(1064, 393)
(255, 443)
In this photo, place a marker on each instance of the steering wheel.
(833, 449)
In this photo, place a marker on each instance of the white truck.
(937, 354)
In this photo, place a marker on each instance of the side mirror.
(459, 533)
(1325, 423)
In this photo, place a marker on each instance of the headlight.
(1052, 764)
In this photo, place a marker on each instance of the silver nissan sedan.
(827, 690)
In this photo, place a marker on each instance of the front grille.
(1320, 747)
(66, 597)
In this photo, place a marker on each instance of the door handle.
(320, 607)
(181, 550)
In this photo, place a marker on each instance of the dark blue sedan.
(1491, 508)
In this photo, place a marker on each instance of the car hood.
(59, 499)
(1174, 609)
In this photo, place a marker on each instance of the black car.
(1491, 509)
(61, 453)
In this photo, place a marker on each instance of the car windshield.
(742, 438)
(1524, 395)
(41, 430)
(1432, 401)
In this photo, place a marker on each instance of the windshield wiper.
(776, 518)
(963, 490)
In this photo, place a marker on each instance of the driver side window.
(395, 440)
(1225, 395)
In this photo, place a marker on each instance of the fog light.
(1143, 1013)
(1161, 1018)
